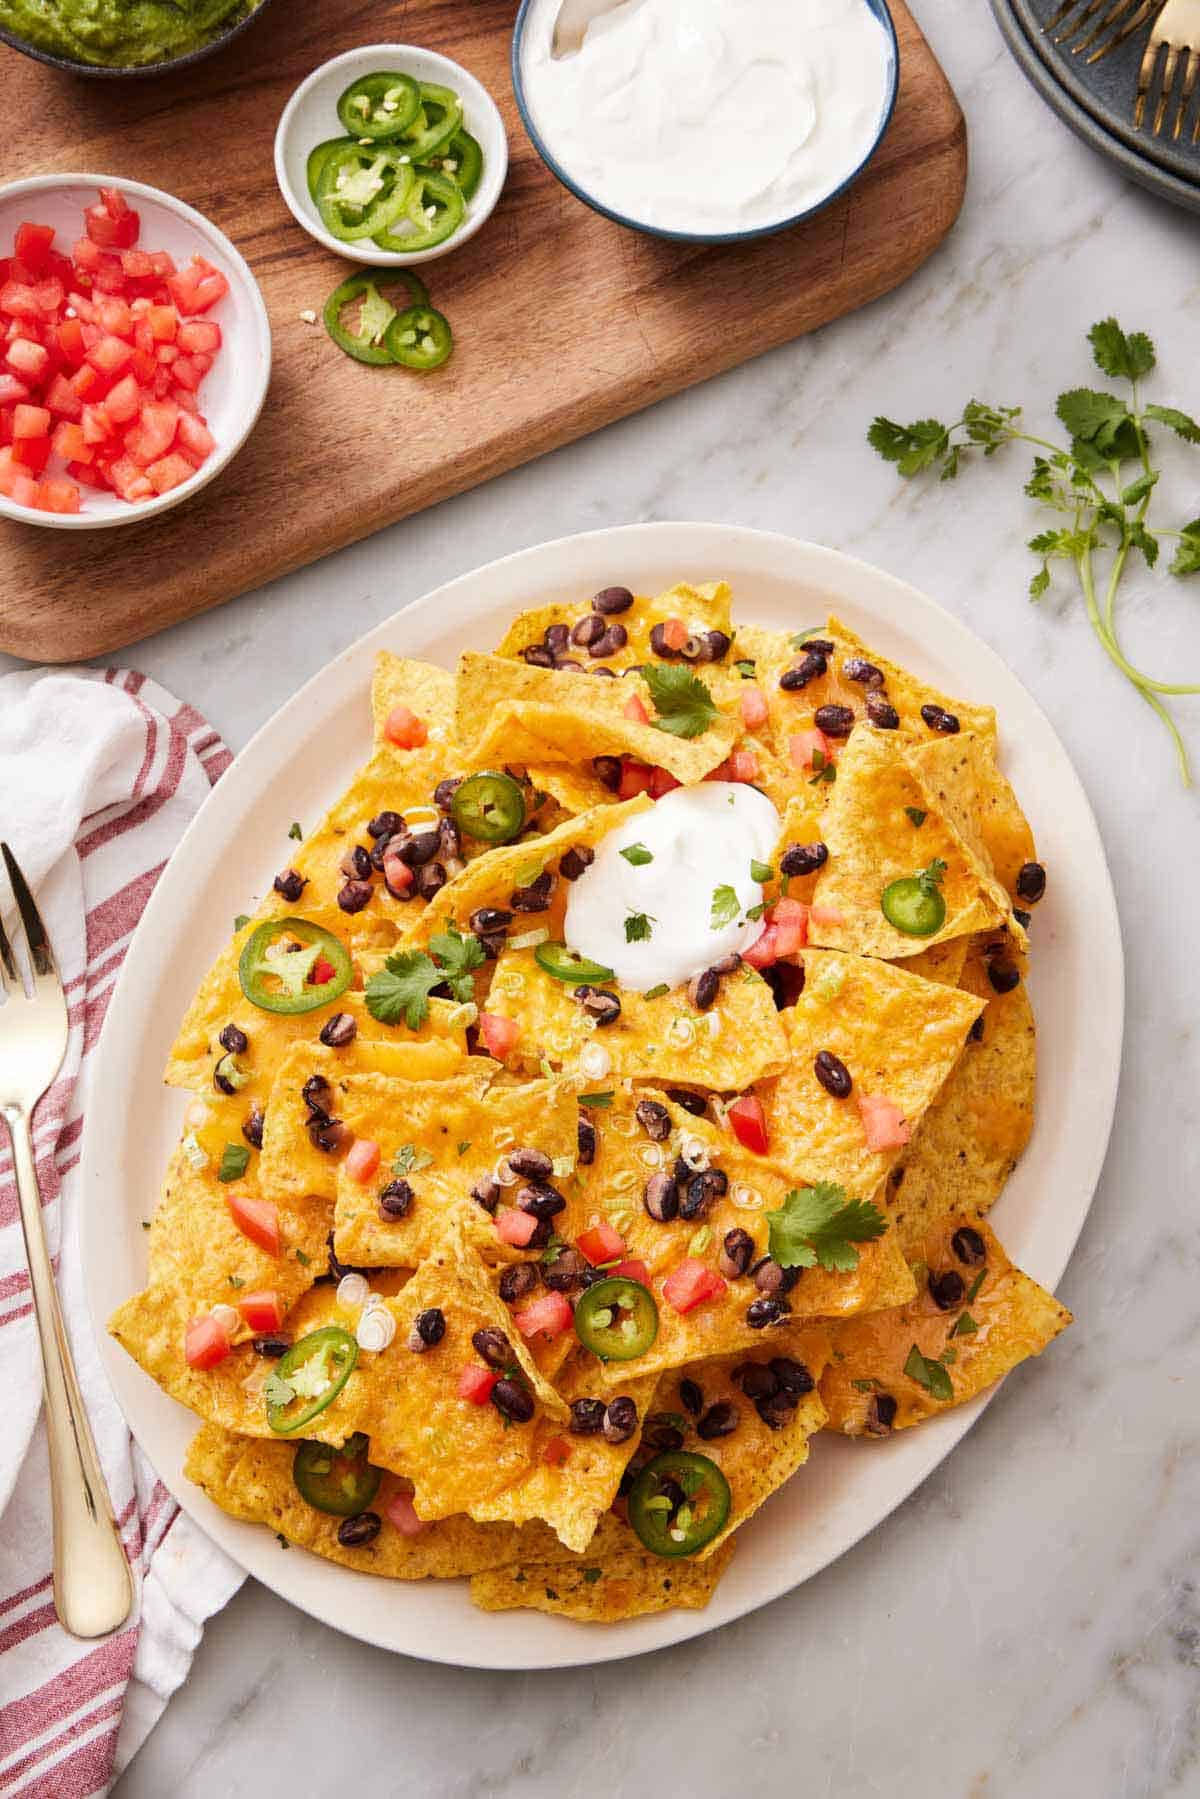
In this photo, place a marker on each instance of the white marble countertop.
(1029, 1622)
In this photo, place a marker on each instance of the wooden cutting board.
(562, 320)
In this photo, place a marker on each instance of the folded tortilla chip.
(943, 963)
(959, 779)
(894, 1368)
(702, 608)
(628, 1585)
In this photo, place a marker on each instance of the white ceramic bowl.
(310, 117)
(232, 395)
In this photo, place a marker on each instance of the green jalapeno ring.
(440, 117)
(331, 1344)
(466, 153)
(419, 338)
(430, 192)
(341, 1481)
(369, 285)
(915, 904)
(363, 189)
(364, 107)
(601, 1326)
(702, 1516)
(489, 806)
(568, 965)
(319, 155)
(293, 967)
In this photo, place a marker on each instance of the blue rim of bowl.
(129, 70)
(880, 10)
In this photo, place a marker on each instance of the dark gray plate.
(1133, 162)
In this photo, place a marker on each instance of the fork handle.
(93, 1588)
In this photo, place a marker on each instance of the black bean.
(946, 1289)
(338, 1030)
(277, 1344)
(701, 1191)
(609, 642)
(356, 864)
(576, 861)
(857, 668)
(810, 665)
(600, 1003)
(565, 1272)
(488, 921)
(683, 1171)
(610, 674)
(486, 1192)
(530, 1164)
(585, 1136)
(969, 1246)
(1003, 974)
(691, 1396)
(429, 1327)
(536, 896)
(512, 1401)
(587, 1417)
(654, 1119)
(354, 1533)
(832, 1073)
(329, 1134)
(540, 1201)
(823, 645)
(383, 848)
(728, 964)
(518, 1282)
(704, 988)
(387, 824)
(835, 721)
(418, 849)
(537, 655)
(290, 884)
(763, 1312)
(882, 714)
(720, 1420)
(938, 719)
(317, 1095)
(659, 644)
(443, 793)
(395, 1200)
(227, 1076)
(755, 1379)
(792, 1376)
(556, 638)
(450, 845)
(661, 1435)
(493, 1346)
(234, 1039)
(611, 600)
(588, 630)
(252, 1125)
(620, 1420)
(736, 1254)
(881, 1415)
(775, 1409)
(660, 1197)
(695, 1103)
(1031, 882)
(803, 859)
(1024, 919)
(718, 645)
(771, 1278)
(429, 880)
(354, 895)
(607, 770)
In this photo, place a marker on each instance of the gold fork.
(1177, 32)
(1120, 17)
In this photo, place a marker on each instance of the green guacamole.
(121, 33)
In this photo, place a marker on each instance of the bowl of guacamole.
(122, 37)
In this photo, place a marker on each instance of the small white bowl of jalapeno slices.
(391, 154)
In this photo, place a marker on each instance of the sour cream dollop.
(711, 116)
(699, 839)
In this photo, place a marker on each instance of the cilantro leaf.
(818, 1224)
(276, 1390)
(761, 871)
(401, 989)
(636, 854)
(964, 1325)
(241, 921)
(1123, 357)
(745, 669)
(928, 1374)
(637, 927)
(1089, 413)
(598, 1101)
(684, 705)
(656, 992)
(235, 1159)
(408, 1159)
(1176, 421)
(295, 832)
(456, 957)
(915, 816)
(931, 878)
(1186, 560)
(911, 447)
(725, 907)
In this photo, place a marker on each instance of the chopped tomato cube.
(155, 432)
(123, 401)
(89, 383)
(548, 1316)
(743, 766)
(96, 425)
(114, 316)
(802, 746)
(196, 438)
(110, 355)
(164, 324)
(362, 1160)
(402, 1513)
(62, 399)
(634, 709)
(110, 229)
(257, 1219)
(635, 778)
(788, 918)
(632, 1269)
(58, 496)
(556, 1452)
(205, 1343)
(16, 482)
(70, 443)
(12, 391)
(515, 1227)
(197, 287)
(401, 727)
(262, 1310)
(32, 246)
(19, 300)
(30, 421)
(187, 372)
(691, 1284)
(31, 453)
(674, 633)
(762, 952)
(883, 1122)
(753, 708)
(200, 337)
(749, 1123)
(171, 471)
(601, 1243)
(499, 1034)
(323, 971)
(476, 1383)
(27, 358)
(662, 782)
(137, 265)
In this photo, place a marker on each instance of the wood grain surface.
(562, 320)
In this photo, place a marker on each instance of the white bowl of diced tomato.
(135, 351)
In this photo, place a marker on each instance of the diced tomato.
(31, 453)
(62, 399)
(19, 300)
(402, 1513)
(632, 1269)
(196, 438)
(362, 1160)
(110, 356)
(601, 1243)
(200, 337)
(128, 478)
(123, 401)
(12, 391)
(662, 782)
(397, 874)
(205, 1343)
(154, 433)
(32, 246)
(883, 1122)
(323, 972)
(401, 727)
(87, 474)
(263, 1310)
(802, 746)
(749, 1123)
(70, 443)
(743, 766)
(674, 633)
(187, 372)
(89, 383)
(31, 421)
(109, 227)
(257, 1219)
(548, 1316)
(171, 471)
(113, 315)
(87, 256)
(137, 265)
(49, 295)
(499, 1034)
(515, 1227)
(753, 708)
(96, 425)
(164, 264)
(556, 1452)
(788, 918)
(58, 496)
(691, 1284)
(634, 709)
(28, 359)
(197, 287)
(635, 778)
(476, 1383)
(163, 322)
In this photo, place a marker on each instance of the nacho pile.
(526, 1226)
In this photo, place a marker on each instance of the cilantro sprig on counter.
(684, 705)
(819, 1224)
(1099, 485)
(401, 988)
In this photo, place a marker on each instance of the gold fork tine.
(1187, 90)
(1068, 6)
(1164, 88)
(1123, 20)
(35, 931)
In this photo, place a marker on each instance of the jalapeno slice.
(381, 105)
(617, 1319)
(319, 156)
(293, 969)
(915, 903)
(439, 117)
(362, 189)
(365, 341)
(308, 1378)
(489, 807)
(568, 965)
(462, 160)
(419, 338)
(341, 1481)
(432, 211)
(679, 1502)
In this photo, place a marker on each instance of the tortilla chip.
(959, 778)
(663, 1039)
(510, 712)
(872, 841)
(427, 690)
(972, 1136)
(943, 963)
(1015, 1318)
(898, 1036)
(628, 1585)
(1006, 832)
(702, 608)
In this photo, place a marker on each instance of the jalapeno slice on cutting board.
(617, 1319)
(341, 1481)
(314, 971)
(419, 338)
(382, 105)
(568, 965)
(364, 188)
(308, 1378)
(915, 903)
(362, 298)
(489, 807)
(679, 1502)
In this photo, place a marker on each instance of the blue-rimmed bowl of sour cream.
(710, 121)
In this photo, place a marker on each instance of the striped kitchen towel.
(100, 772)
